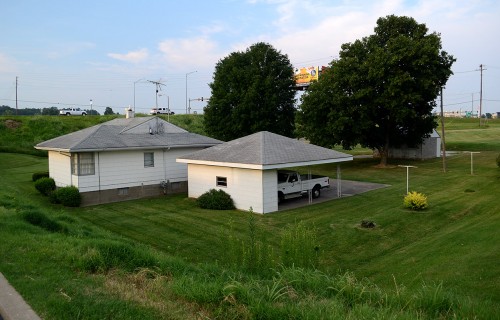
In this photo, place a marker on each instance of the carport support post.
(339, 182)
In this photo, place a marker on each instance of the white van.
(161, 111)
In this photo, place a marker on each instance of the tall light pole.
(187, 89)
(90, 106)
(134, 90)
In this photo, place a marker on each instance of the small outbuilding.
(246, 168)
(428, 149)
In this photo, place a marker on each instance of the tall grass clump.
(299, 246)
(251, 254)
(104, 255)
(39, 219)
(415, 201)
(45, 185)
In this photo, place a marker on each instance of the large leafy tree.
(381, 90)
(252, 91)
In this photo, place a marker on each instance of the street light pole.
(187, 89)
(134, 90)
(90, 106)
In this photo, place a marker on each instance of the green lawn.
(444, 258)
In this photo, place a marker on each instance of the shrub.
(68, 196)
(215, 200)
(45, 185)
(415, 201)
(37, 175)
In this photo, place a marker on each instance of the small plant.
(215, 200)
(68, 196)
(498, 160)
(37, 175)
(45, 185)
(415, 201)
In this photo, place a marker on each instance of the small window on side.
(149, 159)
(221, 181)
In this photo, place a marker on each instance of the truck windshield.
(282, 177)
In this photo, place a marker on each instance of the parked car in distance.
(72, 112)
(291, 184)
(161, 111)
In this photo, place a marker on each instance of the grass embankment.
(20, 133)
(155, 258)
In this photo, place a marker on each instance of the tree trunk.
(384, 153)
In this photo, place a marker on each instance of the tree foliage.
(108, 111)
(252, 91)
(381, 90)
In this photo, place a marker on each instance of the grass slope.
(154, 258)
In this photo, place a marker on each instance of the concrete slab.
(12, 305)
(349, 188)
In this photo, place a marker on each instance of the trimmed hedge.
(215, 200)
(37, 175)
(68, 196)
(45, 185)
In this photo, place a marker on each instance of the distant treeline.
(52, 111)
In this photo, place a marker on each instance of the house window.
(149, 159)
(83, 164)
(221, 181)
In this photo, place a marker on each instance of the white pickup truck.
(291, 184)
(72, 112)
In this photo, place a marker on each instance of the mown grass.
(165, 258)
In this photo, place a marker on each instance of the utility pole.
(443, 145)
(187, 74)
(16, 95)
(158, 88)
(481, 94)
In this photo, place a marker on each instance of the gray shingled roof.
(126, 134)
(267, 150)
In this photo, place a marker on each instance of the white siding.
(60, 168)
(120, 169)
(270, 191)
(248, 188)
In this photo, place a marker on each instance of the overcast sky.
(65, 53)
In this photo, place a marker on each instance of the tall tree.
(381, 90)
(252, 91)
(108, 111)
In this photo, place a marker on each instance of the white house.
(246, 168)
(125, 158)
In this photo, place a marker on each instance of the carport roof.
(265, 150)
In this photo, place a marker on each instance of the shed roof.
(264, 150)
(127, 134)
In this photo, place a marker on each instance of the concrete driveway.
(349, 188)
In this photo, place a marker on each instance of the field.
(165, 258)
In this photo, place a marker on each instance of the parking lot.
(348, 187)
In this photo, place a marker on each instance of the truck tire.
(68, 114)
(316, 191)
(281, 197)
(84, 114)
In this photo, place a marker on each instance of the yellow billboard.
(304, 76)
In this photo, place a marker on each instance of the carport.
(246, 168)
